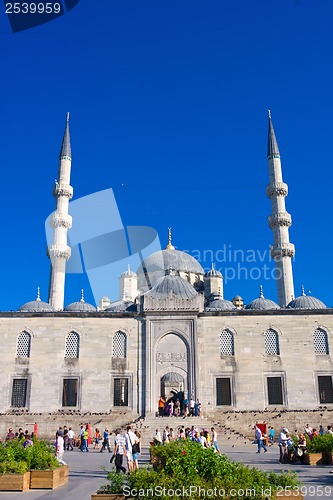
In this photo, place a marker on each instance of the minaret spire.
(282, 250)
(170, 245)
(59, 252)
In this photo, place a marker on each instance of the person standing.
(60, 448)
(119, 451)
(130, 438)
(65, 436)
(259, 438)
(97, 438)
(70, 439)
(271, 435)
(85, 435)
(136, 449)
(161, 404)
(214, 442)
(192, 403)
(283, 438)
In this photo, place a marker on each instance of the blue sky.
(168, 103)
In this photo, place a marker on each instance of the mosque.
(172, 331)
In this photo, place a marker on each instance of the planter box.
(283, 495)
(14, 482)
(48, 479)
(107, 496)
(327, 457)
(312, 459)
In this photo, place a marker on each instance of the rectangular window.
(325, 388)
(223, 392)
(120, 392)
(274, 390)
(70, 391)
(19, 392)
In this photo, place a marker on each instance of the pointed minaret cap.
(303, 292)
(82, 295)
(170, 245)
(66, 141)
(38, 295)
(272, 148)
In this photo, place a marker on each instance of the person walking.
(130, 438)
(136, 450)
(119, 451)
(70, 439)
(106, 441)
(85, 435)
(259, 438)
(214, 442)
(97, 438)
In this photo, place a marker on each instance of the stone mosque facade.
(171, 332)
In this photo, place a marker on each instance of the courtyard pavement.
(85, 474)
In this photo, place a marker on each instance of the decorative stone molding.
(59, 252)
(277, 189)
(63, 190)
(282, 250)
(61, 220)
(279, 219)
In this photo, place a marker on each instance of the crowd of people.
(179, 407)
(204, 437)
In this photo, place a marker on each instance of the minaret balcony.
(282, 250)
(279, 219)
(277, 189)
(59, 252)
(61, 220)
(62, 190)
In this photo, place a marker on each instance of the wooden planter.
(14, 482)
(312, 459)
(48, 479)
(327, 457)
(107, 496)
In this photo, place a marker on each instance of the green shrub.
(40, 455)
(318, 444)
(116, 483)
(187, 465)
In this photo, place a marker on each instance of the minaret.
(59, 252)
(282, 250)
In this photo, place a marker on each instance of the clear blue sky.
(168, 103)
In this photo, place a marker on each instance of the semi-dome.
(216, 303)
(213, 273)
(261, 303)
(36, 305)
(80, 306)
(172, 284)
(122, 306)
(306, 302)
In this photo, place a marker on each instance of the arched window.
(320, 341)
(119, 345)
(72, 347)
(23, 345)
(272, 342)
(227, 343)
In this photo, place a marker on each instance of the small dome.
(218, 304)
(306, 302)
(129, 273)
(172, 377)
(213, 273)
(80, 306)
(122, 306)
(172, 285)
(36, 305)
(261, 303)
(237, 297)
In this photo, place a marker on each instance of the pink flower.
(183, 452)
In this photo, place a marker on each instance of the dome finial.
(303, 292)
(170, 245)
(38, 294)
(82, 295)
(128, 268)
(261, 296)
(213, 266)
(269, 114)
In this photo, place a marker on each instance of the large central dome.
(156, 265)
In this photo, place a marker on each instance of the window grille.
(120, 392)
(272, 342)
(325, 389)
(23, 345)
(70, 391)
(19, 392)
(119, 345)
(227, 343)
(72, 348)
(274, 389)
(223, 391)
(320, 341)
